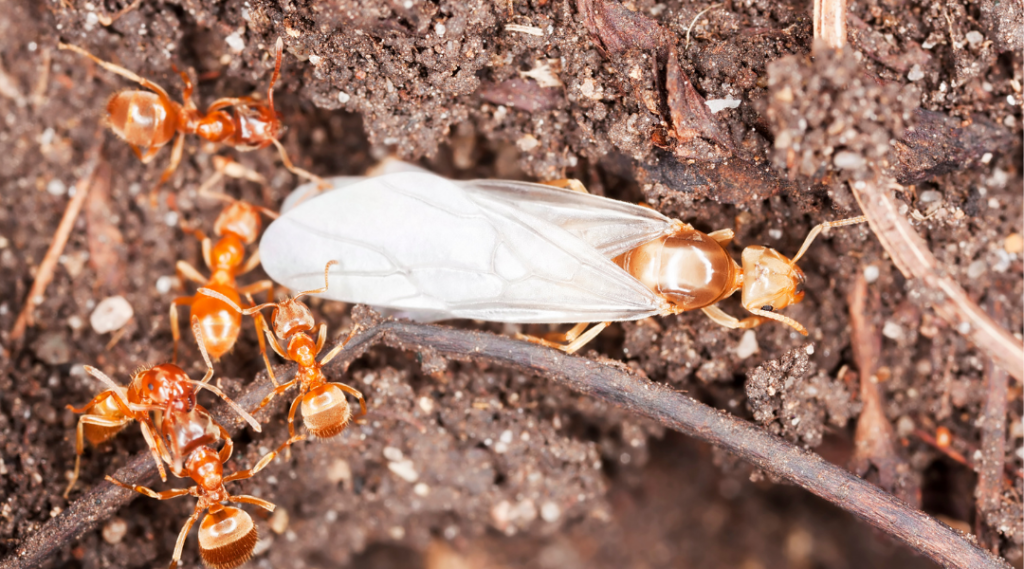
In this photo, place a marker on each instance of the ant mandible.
(237, 225)
(165, 389)
(150, 119)
(325, 411)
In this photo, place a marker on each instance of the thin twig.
(830, 22)
(992, 456)
(910, 254)
(659, 402)
(44, 274)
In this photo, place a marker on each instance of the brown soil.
(501, 469)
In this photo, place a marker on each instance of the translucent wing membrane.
(512, 252)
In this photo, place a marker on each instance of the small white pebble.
(550, 512)
(527, 143)
(397, 532)
(111, 314)
(775, 234)
(315, 59)
(747, 346)
(506, 437)
(426, 404)
(963, 327)
(56, 187)
(892, 330)
(976, 269)
(929, 196)
(235, 42)
(1010, 100)
(343, 97)
(915, 73)
(404, 469)
(75, 322)
(440, 29)
(393, 454)
(809, 349)
(718, 105)
(331, 516)
(847, 160)
(974, 37)
(871, 273)
(114, 530)
(986, 158)
(421, 489)
(171, 219)
(165, 283)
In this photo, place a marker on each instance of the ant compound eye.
(150, 386)
(767, 308)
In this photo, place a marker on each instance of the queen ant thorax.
(237, 225)
(148, 120)
(167, 392)
(325, 410)
(227, 535)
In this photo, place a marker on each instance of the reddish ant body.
(227, 535)
(237, 225)
(150, 119)
(164, 389)
(325, 410)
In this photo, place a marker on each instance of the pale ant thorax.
(205, 468)
(228, 253)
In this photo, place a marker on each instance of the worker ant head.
(771, 282)
(166, 386)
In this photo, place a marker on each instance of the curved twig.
(659, 402)
(912, 257)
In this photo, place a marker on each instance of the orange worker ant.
(150, 119)
(164, 389)
(237, 225)
(325, 411)
(227, 535)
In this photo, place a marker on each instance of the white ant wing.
(423, 244)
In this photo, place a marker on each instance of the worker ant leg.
(117, 69)
(176, 152)
(336, 349)
(719, 316)
(291, 415)
(80, 438)
(575, 338)
(277, 391)
(722, 236)
(165, 495)
(182, 535)
(175, 332)
(300, 172)
(186, 270)
(267, 458)
(355, 393)
(568, 184)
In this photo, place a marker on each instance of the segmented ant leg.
(118, 70)
(186, 270)
(80, 441)
(719, 316)
(574, 340)
(156, 448)
(277, 391)
(165, 495)
(229, 445)
(321, 337)
(568, 184)
(245, 499)
(355, 393)
(821, 227)
(182, 535)
(261, 325)
(336, 349)
(291, 416)
(722, 236)
(263, 462)
(146, 158)
(176, 152)
(175, 332)
(252, 263)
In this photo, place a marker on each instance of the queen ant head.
(771, 282)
